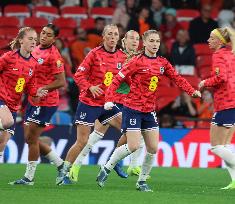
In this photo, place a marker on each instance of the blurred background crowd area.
(184, 27)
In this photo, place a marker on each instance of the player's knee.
(82, 141)
(152, 149)
(7, 122)
(31, 140)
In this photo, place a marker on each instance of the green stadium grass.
(170, 185)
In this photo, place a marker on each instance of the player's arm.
(4, 61)
(180, 81)
(83, 72)
(57, 83)
(219, 75)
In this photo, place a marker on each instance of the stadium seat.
(169, 43)
(186, 14)
(204, 71)
(3, 43)
(48, 12)
(61, 118)
(104, 12)
(36, 23)
(9, 33)
(19, 11)
(164, 98)
(184, 24)
(65, 23)
(7, 22)
(204, 60)
(193, 80)
(88, 23)
(67, 35)
(202, 49)
(76, 12)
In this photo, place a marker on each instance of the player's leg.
(94, 137)
(4, 137)
(6, 118)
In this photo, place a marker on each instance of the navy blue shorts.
(133, 120)
(86, 115)
(224, 118)
(11, 129)
(40, 115)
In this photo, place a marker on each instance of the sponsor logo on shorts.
(132, 121)
(82, 115)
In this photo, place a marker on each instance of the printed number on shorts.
(108, 78)
(19, 85)
(153, 83)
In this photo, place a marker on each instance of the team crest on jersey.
(217, 71)
(119, 65)
(82, 115)
(162, 69)
(58, 63)
(30, 72)
(133, 121)
(40, 61)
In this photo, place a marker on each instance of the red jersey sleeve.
(83, 72)
(122, 75)
(219, 71)
(179, 80)
(57, 63)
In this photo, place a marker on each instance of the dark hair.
(15, 43)
(99, 19)
(53, 27)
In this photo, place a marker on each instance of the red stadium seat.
(184, 24)
(36, 23)
(186, 14)
(65, 23)
(204, 71)
(19, 11)
(76, 12)
(193, 80)
(8, 33)
(202, 49)
(9, 22)
(48, 12)
(204, 60)
(164, 98)
(88, 23)
(67, 35)
(3, 43)
(104, 12)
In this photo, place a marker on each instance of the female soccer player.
(93, 76)
(223, 81)
(17, 76)
(139, 116)
(50, 77)
(130, 44)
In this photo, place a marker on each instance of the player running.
(223, 81)
(50, 77)
(139, 116)
(17, 75)
(130, 44)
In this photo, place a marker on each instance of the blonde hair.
(148, 33)
(107, 27)
(15, 44)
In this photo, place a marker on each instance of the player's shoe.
(23, 181)
(66, 181)
(134, 171)
(230, 186)
(73, 173)
(143, 186)
(60, 176)
(102, 176)
(120, 172)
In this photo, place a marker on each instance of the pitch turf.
(170, 185)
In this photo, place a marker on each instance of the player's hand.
(96, 90)
(201, 84)
(41, 92)
(196, 94)
(109, 105)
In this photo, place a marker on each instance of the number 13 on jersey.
(19, 85)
